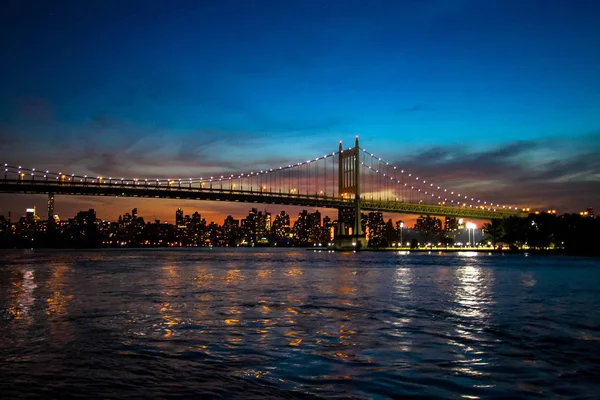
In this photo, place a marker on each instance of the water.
(297, 324)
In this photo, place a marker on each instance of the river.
(291, 323)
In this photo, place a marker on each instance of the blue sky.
(458, 90)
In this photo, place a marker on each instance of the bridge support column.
(349, 183)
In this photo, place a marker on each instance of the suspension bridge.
(349, 179)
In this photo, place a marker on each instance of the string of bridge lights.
(136, 181)
(201, 181)
(480, 204)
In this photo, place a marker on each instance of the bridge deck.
(244, 196)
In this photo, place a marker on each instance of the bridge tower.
(349, 186)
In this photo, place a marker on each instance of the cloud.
(562, 173)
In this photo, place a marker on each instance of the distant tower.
(179, 217)
(50, 215)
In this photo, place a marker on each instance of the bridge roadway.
(244, 196)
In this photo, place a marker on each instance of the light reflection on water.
(288, 322)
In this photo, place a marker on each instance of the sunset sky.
(500, 98)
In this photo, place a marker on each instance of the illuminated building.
(31, 216)
(179, 218)
(451, 224)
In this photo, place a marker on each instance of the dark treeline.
(569, 232)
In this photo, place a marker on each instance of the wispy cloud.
(560, 173)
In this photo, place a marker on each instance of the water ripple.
(297, 324)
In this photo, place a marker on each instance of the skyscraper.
(179, 218)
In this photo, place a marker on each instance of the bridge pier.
(349, 242)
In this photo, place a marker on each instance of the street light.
(470, 226)
(401, 226)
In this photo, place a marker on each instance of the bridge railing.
(46, 182)
(19, 175)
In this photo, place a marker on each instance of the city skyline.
(448, 90)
